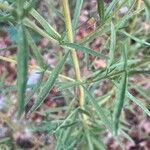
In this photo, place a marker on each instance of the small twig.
(7, 59)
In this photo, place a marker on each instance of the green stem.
(67, 18)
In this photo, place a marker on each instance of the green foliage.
(36, 52)
(76, 15)
(99, 111)
(22, 67)
(147, 10)
(49, 84)
(112, 45)
(139, 103)
(48, 28)
(122, 53)
(122, 89)
(100, 9)
(83, 49)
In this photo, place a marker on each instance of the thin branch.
(67, 19)
(35, 67)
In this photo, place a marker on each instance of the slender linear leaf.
(135, 38)
(34, 27)
(70, 117)
(66, 133)
(112, 45)
(127, 136)
(29, 6)
(139, 103)
(20, 10)
(36, 51)
(59, 145)
(100, 9)
(105, 28)
(49, 84)
(83, 49)
(121, 23)
(22, 68)
(99, 111)
(98, 143)
(142, 92)
(46, 126)
(75, 140)
(119, 102)
(120, 64)
(109, 9)
(89, 140)
(147, 9)
(45, 24)
(65, 85)
(139, 72)
(76, 14)
(49, 29)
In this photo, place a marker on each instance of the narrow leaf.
(76, 14)
(36, 52)
(49, 29)
(99, 110)
(34, 27)
(22, 68)
(121, 23)
(143, 92)
(98, 143)
(112, 45)
(89, 140)
(147, 9)
(119, 102)
(139, 103)
(105, 28)
(109, 9)
(135, 38)
(100, 9)
(65, 85)
(83, 49)
(67, 119)
(127, 136)
(49, 84)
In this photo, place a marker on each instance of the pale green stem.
(68, 24)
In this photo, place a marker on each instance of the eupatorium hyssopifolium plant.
(86, 117)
